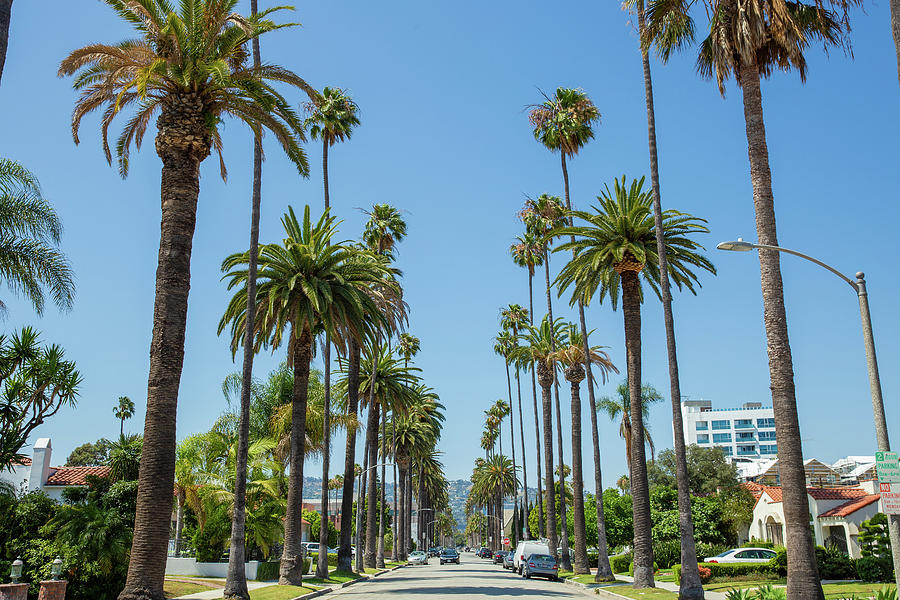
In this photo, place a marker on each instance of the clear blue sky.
(444, 137)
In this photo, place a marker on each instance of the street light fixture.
(881, 430)
(56, 569)
(359, 558)
(15, 573)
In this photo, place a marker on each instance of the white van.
(525, 549)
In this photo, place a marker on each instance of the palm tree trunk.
(371, 489)
(345, 553)
(179, 522)
(360, 502)
(291, 571)
(5, 14)
(236, 578)
(581, 559)
(549, 489)
(895, 29)
(690, 587)
(640, 492)
(394, 542)
(322, 563)
(803, 576)
(180, 187)
(420, 498)
(379, 560)
(400, 533)
(512, 444)
(524, 466)
(537, 428)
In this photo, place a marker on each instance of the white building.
(745, 433)
(37, 474)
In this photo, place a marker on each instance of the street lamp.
(881, 431)
(422, 532)
(15, 573)
(359, 558)
(56, 569)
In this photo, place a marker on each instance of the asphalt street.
(473, 578)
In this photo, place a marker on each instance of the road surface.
(474, 578)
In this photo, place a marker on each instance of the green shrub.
(729, 569)
(631, 568)
(768, 592)
(875, 569)
(755, 543)
(332, 558)
(620, 563)
(778, 565)
(740, 594)
(834, 564)
(269, 571)
(667, 553)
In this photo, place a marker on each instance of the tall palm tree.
(306, 285)
(539, 346)
(528, 253)
(5, 14)
(690, 586)
(612, 250)
(30, 261)
(564, 124)
(408, 346)
(493, 479)
(514, 317)
(331, 118)
(193, 72)
(618, 408)
(124, 409)
(750, 41)
(572, 356)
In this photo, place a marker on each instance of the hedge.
(332, 558)
(271, 570)
(729, 569)
(620, 563)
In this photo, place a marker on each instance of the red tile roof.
(63, 476)
(848, 508)
(754, 488)
(25, 462)
(774, 493)
(836, 493)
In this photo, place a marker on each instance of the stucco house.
(836, 514)
(38, 474)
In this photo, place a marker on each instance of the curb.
(329, 589)
(603, 593)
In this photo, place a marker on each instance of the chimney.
(40, 464)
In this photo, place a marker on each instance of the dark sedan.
(483, 553)
(449, 555)
(498, 557)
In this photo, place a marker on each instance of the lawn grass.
(334, 577)
(586, 578)
(174, 589)
(280, 592)
(843, 590)
(736, 583)
(643, 593)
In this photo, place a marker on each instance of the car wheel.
(527, 575)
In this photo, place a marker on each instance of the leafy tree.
(35, 382)
(708, 470)
(90, 454)
(192, 72)
(125, 457)
(873, 537)
(30, 263)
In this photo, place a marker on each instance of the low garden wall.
(191, 568)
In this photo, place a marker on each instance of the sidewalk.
(214, 594)
(672, 587)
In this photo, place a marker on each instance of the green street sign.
(887, 466)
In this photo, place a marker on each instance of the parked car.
(540, 565)
(449, 555)
(483, 553)
(508, 560)
(417, 557)
(743, 555)
(526, 548)
(498, 557)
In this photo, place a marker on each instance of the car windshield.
(726, 553)
(449, 551)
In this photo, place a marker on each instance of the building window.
(744, 436)
(746, 450)
(703, 438)
(767, 436)
(768, 449)
(721, 424)
(769, 422)
(743, 424)
(702, 426)
(721, 438)
(726, 450)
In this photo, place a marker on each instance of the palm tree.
(564, 124)
(306, 285)
(572, 356)
(618, 408)
(492, 479)
(124, 409)
(539, 346)
(690, 586)
(611, 252)
(125, 458)
(331, 118)
(5, 14)
(193, 72)
(528, 252)
(384, 229)
(514, 317)
(29, 236)
(750, 41)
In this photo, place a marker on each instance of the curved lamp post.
(881, 430)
